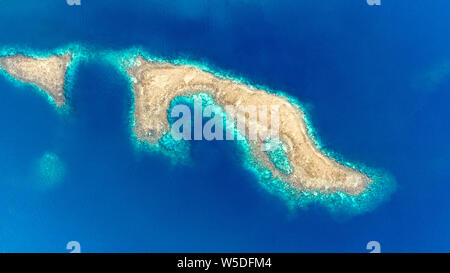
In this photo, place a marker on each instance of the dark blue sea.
(375, 80)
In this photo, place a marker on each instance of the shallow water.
(354, 66)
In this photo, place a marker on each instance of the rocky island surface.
(48, 74)
(157, 84)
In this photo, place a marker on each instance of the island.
(48, 74)
(156, 85)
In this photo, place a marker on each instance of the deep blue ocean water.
(376, 81)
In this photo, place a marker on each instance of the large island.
(157, 84)
(48, 74)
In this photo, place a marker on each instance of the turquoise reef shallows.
(382, 186)
(50, 170)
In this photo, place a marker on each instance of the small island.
(157, 84)
(48, 74)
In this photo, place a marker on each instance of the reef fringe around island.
(77, 53)
(338, 203)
